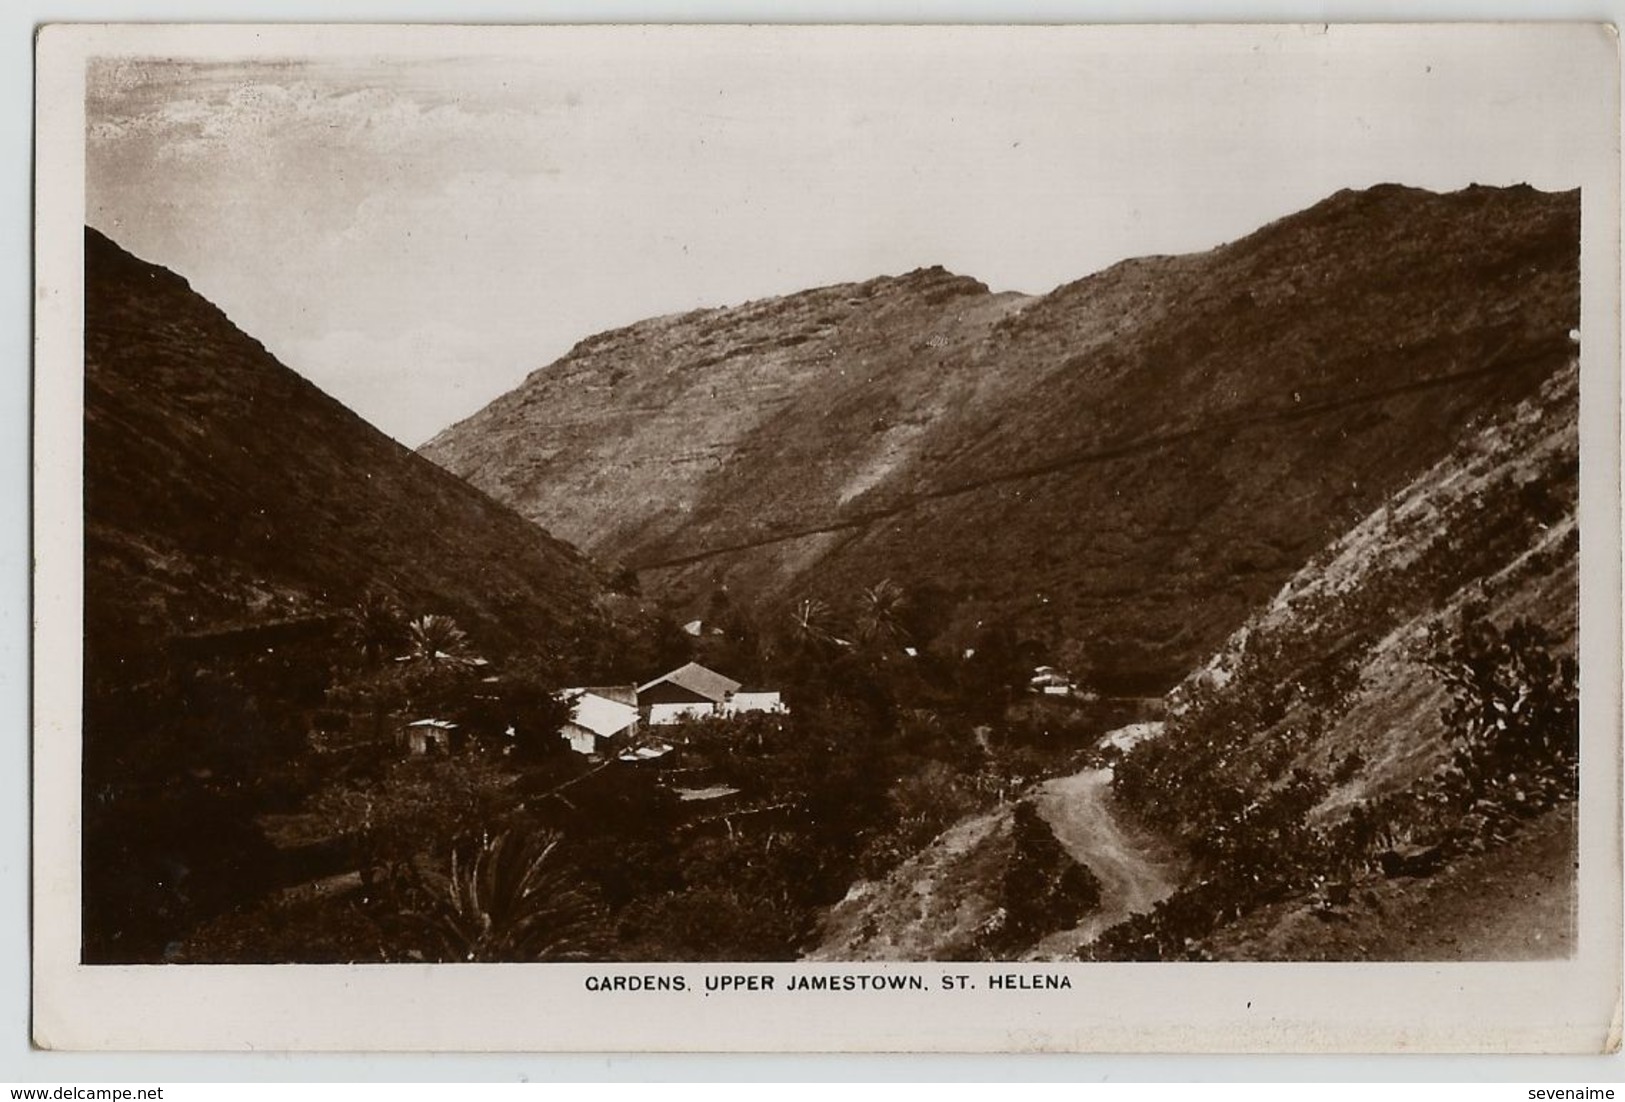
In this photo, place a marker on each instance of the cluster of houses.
(605, 717)
(608, 719)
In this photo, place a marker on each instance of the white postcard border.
(1569, 1006)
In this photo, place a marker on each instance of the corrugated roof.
(697, 679)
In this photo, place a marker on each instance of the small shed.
(422, 735)
(1051, 682)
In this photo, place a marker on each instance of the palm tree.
(809, 624)
(375, 626)
(437, 640)
(882, 608)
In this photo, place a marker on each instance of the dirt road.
(1134, 871)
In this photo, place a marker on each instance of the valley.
(1210, 607)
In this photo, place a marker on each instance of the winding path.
(1133, 871)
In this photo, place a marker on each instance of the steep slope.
(233, 515)
(224, 490)
(1137, 459)
(1495, 523)
(1314, 741)
(1404, 708)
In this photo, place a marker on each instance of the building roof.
(600, 715)
(697, 679)
(646, 753)
(437, 724)
(623, 694)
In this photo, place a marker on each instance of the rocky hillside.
(1136, 460)
(222, 490)
(1492, 526)
(1319, 792)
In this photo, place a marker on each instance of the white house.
(688, 692)
(1051, 682)
(742, 702)
(600, 714)
(694, 692)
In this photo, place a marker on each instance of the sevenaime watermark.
(720, 983)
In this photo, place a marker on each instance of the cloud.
(166, 112)
(398, 226)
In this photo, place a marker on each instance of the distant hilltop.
(1131, 462)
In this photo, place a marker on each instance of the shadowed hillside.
(249, 546)
(1132, 462)
(223, 490)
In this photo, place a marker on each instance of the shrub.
(1513, 714)
(512, 899)
(1043, 890)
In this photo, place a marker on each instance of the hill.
(1130, 463)
(223, 491)
(235, 518)
(1380, 764)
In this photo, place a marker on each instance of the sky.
(417, 222)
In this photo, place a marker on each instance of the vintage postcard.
(828, 538)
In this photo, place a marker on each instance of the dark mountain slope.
(224, 490)
(1134, 460)
(233, 515)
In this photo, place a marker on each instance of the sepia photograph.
(830, 501)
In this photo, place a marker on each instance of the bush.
(1513, 715)
(1043, 890)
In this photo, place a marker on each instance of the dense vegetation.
(301, 830)
(1513, 719)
